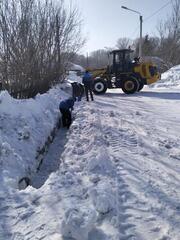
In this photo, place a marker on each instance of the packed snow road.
(118, 177)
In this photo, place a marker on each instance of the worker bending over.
(65, 107)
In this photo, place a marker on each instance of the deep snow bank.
(169, 79)
(76, 198)
(24, 128)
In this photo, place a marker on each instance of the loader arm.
(98, 72)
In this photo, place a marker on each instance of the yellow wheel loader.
(124, 73)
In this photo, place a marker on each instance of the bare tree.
(169, 32)
(36, 39)
(80, 59)
(123, 43)
(98, 58)
(150, 46)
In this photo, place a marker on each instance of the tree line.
(37, 39)
(163, 48)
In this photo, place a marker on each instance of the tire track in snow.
(122, 194)
(124, 142)
(117, 142)
(124, 139)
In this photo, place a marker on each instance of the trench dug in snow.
(51, 160)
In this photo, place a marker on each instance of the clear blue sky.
(105, 21)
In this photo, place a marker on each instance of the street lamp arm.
(130, 9)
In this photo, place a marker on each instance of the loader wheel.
(100, 86)
(141, 85)
(130, 85)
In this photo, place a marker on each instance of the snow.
(114, 175)
(77, 223)
(169, 79)
(72, 77)
(25, 126)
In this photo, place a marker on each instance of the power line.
(158, 11)
(152, 15)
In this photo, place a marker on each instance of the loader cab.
(122, 60)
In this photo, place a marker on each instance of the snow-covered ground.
(114, 175)
(169, 79)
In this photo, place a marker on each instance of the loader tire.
(130, 86)
(141, 85)
(100, 86)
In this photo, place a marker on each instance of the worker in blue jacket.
(65, 107)
(88, 84)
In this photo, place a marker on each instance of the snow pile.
(103, 197)
(169, 79)
(25, 126)
(83, 182)
(72, 77)
(100, 164)
(78, 223)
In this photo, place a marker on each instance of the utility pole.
(141, 21)
(140, 39)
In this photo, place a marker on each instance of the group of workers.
(78, 89)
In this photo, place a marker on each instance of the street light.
(141, 20)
